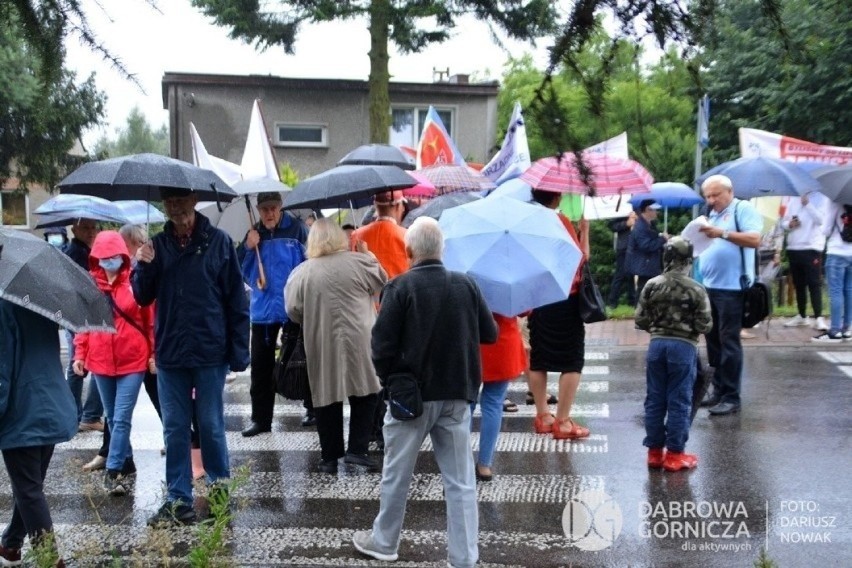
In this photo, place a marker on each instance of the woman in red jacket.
(117, 361)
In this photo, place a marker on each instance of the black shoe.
(172, 513)
(482, 476)
(709, 401)
(724, 408)
(361, 459)
(129, 467)
(309, 420)
(115, 483)
(254, 429)
(551, 399)
(327, 466)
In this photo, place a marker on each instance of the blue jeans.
(724, 347)
(175, 387)
(838, 273)
(119, 395)
(668, 402)
(491, 401)
(92, 409)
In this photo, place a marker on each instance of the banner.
(604, 207)
(615, 147)
(704, 121)
(514, 155)
(754, 143)
(258, 159)
(436, 146)
(229, 172)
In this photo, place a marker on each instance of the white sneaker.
(363, 541)
(820, 324)
(828, 337)
(797, 321)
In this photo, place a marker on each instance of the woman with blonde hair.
(331, 295)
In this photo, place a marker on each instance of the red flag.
(436, 147)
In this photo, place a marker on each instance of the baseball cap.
(649, 203)
(389, 197)
(268, 196)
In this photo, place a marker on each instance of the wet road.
(774, 477)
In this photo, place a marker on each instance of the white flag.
(258, 159)
(608, 207)
(513, 159)
(615, 147)
(229, 172)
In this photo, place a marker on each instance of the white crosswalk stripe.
(600, 410)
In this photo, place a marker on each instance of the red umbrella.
(609, 175)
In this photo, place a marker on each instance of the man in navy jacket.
(645, 247)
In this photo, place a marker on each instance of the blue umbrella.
(520, 255)
(762, 177)
(64, 209)
(514, 188)
(669, 194)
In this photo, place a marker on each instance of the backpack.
(846, 226)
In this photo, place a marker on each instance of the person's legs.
(620, 278)
(175, 389)
(640, 283)
(835, 275)
(451, 444)
(93, 409)
(27, 468)
(847, 293)
(264, 338)
(209, 383)
(727, 323)
(402, 444)
(124, 393)
(107, 390)
(491, 403)
(813, 276)
(362, 411)
(330, 431)
(799, 273)
(680, 379)
(75, 381)
(150, 382)
(656, 373)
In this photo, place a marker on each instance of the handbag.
(757, 297)
(291, 366)
(591, 302)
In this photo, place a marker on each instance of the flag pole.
(701, 131)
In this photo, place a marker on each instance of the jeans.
(90, 410)
(724, 347)
(175, 387)
(263, 342)
(838, 273)
(670, 376)
(447, 423)
(27, 468)
(491, 401)
(119, 395)
(805, 269)
(621, 277)
(330, 426)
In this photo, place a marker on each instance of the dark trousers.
(621, 278)
(27, 469)
(330, 426)
(150, 383)
(640, 283)
(806, 269)
(264, 338)
(724, 348)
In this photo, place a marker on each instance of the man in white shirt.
(804, 219)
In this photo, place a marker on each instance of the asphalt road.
(775, 477)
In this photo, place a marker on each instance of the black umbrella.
(377, 155)
(438, 205)
(140, 176)
(836, 182)
(344, 185)
(40, 278)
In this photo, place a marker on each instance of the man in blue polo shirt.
(735, 229)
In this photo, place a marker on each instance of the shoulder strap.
(743, 273)
(127, 318)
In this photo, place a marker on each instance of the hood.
(108, 244)
(678, 265)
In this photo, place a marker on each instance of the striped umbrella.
(608, 175)
(448, 178)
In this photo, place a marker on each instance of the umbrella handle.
(261, 279)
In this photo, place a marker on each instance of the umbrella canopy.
(233, 218)
(761, 177)
(377, 155)
(436, 206)
(42, 279)
(259, 185)
(514, 188)
(423, 187)
(64, 209)
(836, 182)
(140, 176)
(338, 186)
(669, 194)
(520, 255)
(607, 175)
(448, 178)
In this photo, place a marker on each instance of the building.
(313, 123)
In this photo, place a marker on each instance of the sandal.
(551, 399)
(509, 406)
(540, 426)
(566, 429)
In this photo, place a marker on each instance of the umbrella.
(64, 209)
(761, 177)
(669, 194)
(377, 155)
(140, 176)
(232, 218)
(452, 177)
(344, 184)
(514, 188)
(607, 175)
(836, 182)
(259, 185)
(435, 207)
(42, 279)
(520, 255)
(423, 187)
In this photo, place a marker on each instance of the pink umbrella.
(609, 175)
(424, 187)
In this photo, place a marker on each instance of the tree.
(44, 109)
(276, 23)
(135, 138)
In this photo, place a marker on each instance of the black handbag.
(291, 368)
(403, 394)
(591, 302)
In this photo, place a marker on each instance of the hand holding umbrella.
(253, 243)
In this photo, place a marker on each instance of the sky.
(179, 38)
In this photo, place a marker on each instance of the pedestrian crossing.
(843, 359)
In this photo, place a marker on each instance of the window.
(14, 206)
(301, 135)
(403, 119)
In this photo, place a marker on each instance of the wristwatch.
(726, 234)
